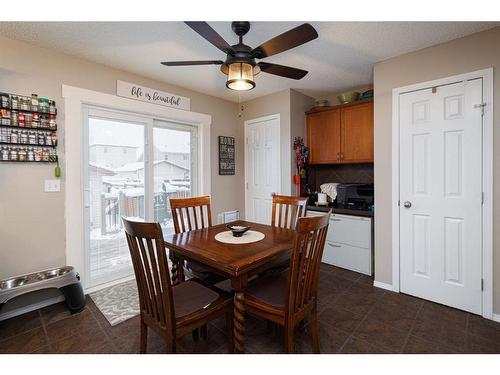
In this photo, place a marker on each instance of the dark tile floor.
(354, 317)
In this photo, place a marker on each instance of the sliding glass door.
(120, 180)
(174, 168)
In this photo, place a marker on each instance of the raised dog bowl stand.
(66, 279)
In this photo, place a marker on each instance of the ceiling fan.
(240, 65)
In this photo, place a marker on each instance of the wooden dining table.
(237, 262)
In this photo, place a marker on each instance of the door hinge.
(480, 105)
(399, 203)
(482, 197)
(482, 284)
(246, 140)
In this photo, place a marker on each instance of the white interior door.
(441, 194)
(262, 167)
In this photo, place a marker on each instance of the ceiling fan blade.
(288, 40)
(281, 70)
(211, 35)
(185, 63)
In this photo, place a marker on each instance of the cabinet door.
(323, 137)
(357, 133)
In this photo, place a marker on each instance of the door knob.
(407, 204)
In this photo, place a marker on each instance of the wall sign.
(226, 155)
(148, 95)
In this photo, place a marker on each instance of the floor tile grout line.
(110, 339)
(42, 322)
(359, 324)
(413, 323)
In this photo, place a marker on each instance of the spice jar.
(44, 122)
(4, 153)
(24, 103)
(35, 122)
(45, 154)
(5, 114)
(23, 138)
(22, 154)
(38, 154)
(28, 118)
(54, 138)
(41, 139)
(14, 102)
(31, 155)
(34, 102)
(13, 154)
(32, 138)
(13, 118)
(52, 122)
(14, 137)
(52, 107)
(21, 120)
(43, 105)
(5, 101)
(48, 139)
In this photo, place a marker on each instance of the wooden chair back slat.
(287, 210)
(184, 220)
(308, 243)
(147, 250)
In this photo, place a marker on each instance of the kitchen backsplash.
(347, 173)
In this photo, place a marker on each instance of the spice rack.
(28, 129)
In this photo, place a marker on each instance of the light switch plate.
(52, 186)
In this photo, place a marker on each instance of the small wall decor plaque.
(148, 95)
(226, 155)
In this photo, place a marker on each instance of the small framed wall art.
(226, 155)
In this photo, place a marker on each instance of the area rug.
(118, 302)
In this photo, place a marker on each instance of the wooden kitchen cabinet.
(357, 133)
(323, 135)
(341, 134)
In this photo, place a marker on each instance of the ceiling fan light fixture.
(240, 77)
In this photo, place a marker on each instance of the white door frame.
(249, 122)
(75, 99)
(487, 173)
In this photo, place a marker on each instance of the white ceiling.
(341, 58)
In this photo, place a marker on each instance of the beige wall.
(474, 52)
(299, 104)
(272, 104)
(291, 105)
(32, 226)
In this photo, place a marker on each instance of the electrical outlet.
(52, 186)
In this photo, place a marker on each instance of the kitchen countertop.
(342, 211)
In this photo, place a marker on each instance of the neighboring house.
(180, 158)
(112, 156)
(163, 169)
(97, 187)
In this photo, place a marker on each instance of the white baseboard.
(381, 285)
(31, 307)
(496, 317)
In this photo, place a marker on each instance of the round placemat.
(248, 237)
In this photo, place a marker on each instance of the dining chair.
(287, 210)
(190, 214)
(290, 297)
(170, 311)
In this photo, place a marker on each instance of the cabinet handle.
(333, 245)
(338, 155)
(334, 219)
(341, 156)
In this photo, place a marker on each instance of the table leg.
(176, 274)
(239, 284)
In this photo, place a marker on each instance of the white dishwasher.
(348, 242)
